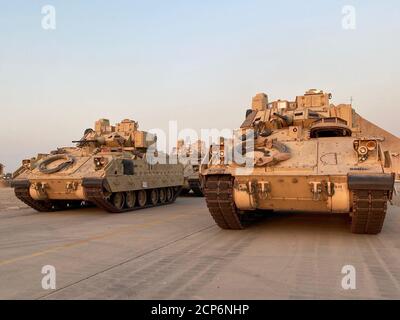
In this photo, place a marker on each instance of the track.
(218, 193)
(21, 190)
(22, 193)
(95, 195)
(94, 192)
(369, 211)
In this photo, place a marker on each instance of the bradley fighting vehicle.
(1, 175)
(4, 181)
(190, 155)
(306, 155)
(109, 167)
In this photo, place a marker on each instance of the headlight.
(362, 150)
(100, 162)
(371, 145)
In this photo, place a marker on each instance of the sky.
(195, 62)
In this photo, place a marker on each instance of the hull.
(364, 197)
(157, 186)
(325, 194)
(192, 181)
(289, 193)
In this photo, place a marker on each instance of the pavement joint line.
(383, 264)
(126, 261)
(87, 240)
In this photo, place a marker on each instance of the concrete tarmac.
(177, 252)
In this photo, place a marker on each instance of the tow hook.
(40, 188)
(264, 189)
(71, 186)
(330, 189)
(316, 189)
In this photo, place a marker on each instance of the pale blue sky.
(197, 62)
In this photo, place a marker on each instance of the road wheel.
(170, 194)
(163, 195)
(118, 200)
(130, 199)
(154, 197)
(142, 198)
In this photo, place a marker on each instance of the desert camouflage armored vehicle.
(190, 155)
(306, 155)
(4, 178)
(110, 167)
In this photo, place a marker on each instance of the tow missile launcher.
(111, 167)
(306, 155)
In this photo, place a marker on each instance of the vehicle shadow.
(299, 221)
(190, 195)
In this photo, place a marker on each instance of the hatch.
(330, 127)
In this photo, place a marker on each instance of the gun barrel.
(83, 141)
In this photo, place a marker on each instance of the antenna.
(351, 100)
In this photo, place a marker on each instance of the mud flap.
(95, 182)
(371, 182)
(22, 184)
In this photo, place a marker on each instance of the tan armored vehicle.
(190, 155)
(1, 171)
(3, 177)
(110, 167)
(305, 155)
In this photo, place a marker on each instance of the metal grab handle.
(69, 160)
